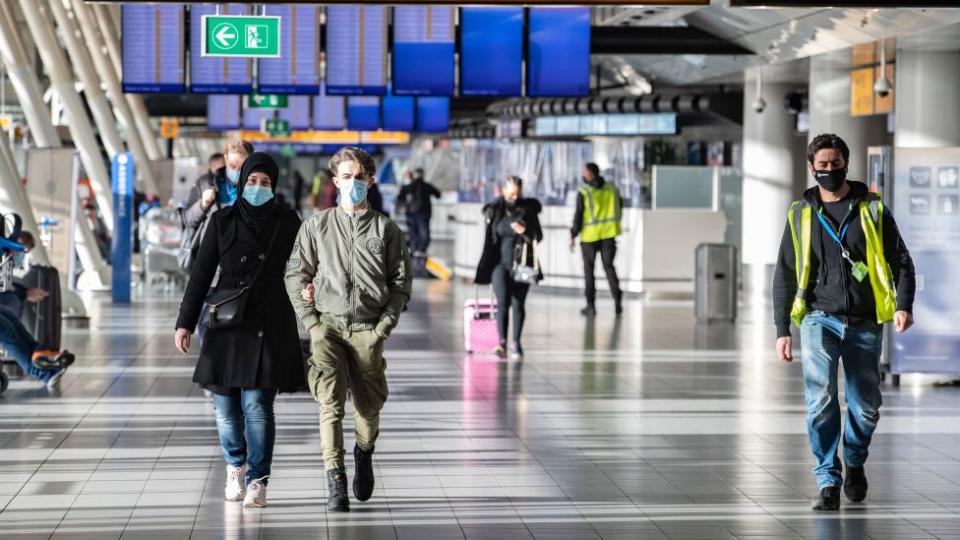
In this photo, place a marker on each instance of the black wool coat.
(264, 351)
(528, 211)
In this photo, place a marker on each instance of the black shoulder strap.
(266, 256)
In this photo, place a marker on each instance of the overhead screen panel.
(212, 74)
(223, 112)
(356, 50)
(153, 55)
(363, 113)
(297, 71)
(433, 114)
(297, 112)
(423, 50)
(558, 45)
(253, 118)
(491, 51)
(398, 113)
(329, 112)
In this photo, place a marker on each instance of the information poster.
(121, 249)
(927, 209)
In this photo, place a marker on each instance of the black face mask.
(510, 202)
(831, 181)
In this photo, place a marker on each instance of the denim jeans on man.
(418, 225)
(825, 340)
(17, 341)
(247, 430)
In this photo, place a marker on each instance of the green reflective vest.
(601, 213)
(800, 218)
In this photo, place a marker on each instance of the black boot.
(337, 499)
(855, 484)
(828, 500)
(588, 311)
(363, 477)
(618, 302)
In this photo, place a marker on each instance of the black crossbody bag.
(226, 307)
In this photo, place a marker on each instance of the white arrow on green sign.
(266, 101)
(242, 36)
(275, 127)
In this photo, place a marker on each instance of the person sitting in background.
(512, 228)
(45, 366)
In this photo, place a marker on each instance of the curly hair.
(356, 155)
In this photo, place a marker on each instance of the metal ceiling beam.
(660, 40)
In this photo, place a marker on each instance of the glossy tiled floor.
(645, 428)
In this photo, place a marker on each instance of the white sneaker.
(256, 495)
(234, 490)
(53, 381)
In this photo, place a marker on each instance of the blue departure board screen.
(363, 113)
(558, 46)
(252, 118)
(423, 50)
(212, 74)
(398, 113)
(329, 112)
(433, 114)
(297, 71)
(356, 50)
(297, 112)
(223, 112)
(491, 51)
(153, 55)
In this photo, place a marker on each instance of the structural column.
(773, 154)
(830, 113)
(94, 43)
(141, 118)
(38, 19)
(927, 99)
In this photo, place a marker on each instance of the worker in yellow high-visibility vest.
(597, 222)
(843, 271)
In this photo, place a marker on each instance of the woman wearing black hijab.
(246, 364)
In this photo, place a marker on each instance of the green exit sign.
(230, 35)
(275, 127)
(266, 101)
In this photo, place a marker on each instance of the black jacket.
(415, 198)
(264, 351)
(528, 211)
(832, 287)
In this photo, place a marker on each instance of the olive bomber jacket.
(359, 266)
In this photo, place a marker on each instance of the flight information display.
(253, 118)
(363, 113)
(491, 51)
(423, 50)
(153, 55)
(558, 46)
(297, 71)
(399, 113)
(356, 50)
(297, 112)
(223, 112)
(329, 112)
(433, 114)
(214, 74)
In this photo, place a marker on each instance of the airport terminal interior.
(442, 178)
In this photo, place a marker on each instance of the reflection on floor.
(644, 428)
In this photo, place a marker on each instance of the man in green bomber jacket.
(349, 277)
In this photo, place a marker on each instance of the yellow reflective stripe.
(806, 216)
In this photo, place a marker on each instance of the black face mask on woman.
(831, 181)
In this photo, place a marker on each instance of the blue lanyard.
(838, 238)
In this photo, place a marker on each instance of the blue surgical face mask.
(233, 175)
(18, 258)
(257, 195)
(354, 191)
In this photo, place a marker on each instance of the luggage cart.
(160, 232)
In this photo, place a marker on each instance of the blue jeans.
(418, 225)
(825, 340)
(19, 344)
(247, 430)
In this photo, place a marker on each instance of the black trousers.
(511, 297)
(608, 251)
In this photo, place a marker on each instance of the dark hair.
(515, 180)
(593, 168)
(825, 141)
(26, 239)
(214, 157)
(358, 155)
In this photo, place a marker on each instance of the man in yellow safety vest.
(597, 222)
(843, 271)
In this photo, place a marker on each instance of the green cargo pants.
(341, 360)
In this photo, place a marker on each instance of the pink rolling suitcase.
(480, 326)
